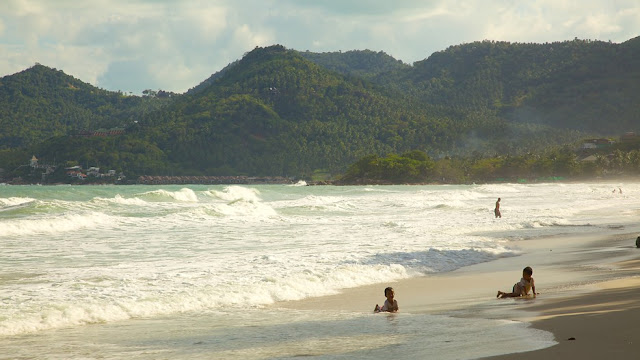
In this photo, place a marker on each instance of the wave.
(500, 188)
(119, 200)
(258, 248)
(239, 201)
(16, 205)
(182, 195)
(445, 207)
(24, 207)
(299, 183)
(88, 300)
(236, 193)
(379, 189)
(15, 201)
(439, 260)
(53, 224)
(318, 203)
(183, 295)
(551, 223)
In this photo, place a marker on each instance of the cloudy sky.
(132, 45)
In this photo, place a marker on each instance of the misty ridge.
(283, 112)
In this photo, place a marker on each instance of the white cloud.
(210, 22)
(132, 45)
(428, 14)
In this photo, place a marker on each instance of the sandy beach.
(601, 323)
(589, 294)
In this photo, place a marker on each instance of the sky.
(173, 45)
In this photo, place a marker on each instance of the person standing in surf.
(497, 209)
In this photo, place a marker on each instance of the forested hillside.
(41, 102)
(278, 113)
(581, 84)
(282, 112)
(366, 64)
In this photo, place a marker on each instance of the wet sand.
(589, 291)
(600, 324)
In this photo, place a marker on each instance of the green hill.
(41, 102)
(582, 85)
(365, 64)
(277, 113)
(282, 112)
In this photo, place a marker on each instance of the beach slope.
(590, 295)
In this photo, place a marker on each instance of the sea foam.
(64, 223)
(100, 255)
(183, 195)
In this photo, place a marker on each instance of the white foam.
(131, 253)
(184, 194)
(299, 183)
(15, 201)
(64, 223)
(236, 193)
(320, 203)
(119, 199)
(240, 201)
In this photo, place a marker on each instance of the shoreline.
(577, 278)
(599, 322)
(278, 180)
(596, 325)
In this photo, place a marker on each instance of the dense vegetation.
(622, 159)
(366, 64)
(40, 102)
(282, 112)
(580, 84)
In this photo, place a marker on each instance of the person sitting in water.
(390, 305)
(522, 287)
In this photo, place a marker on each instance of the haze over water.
(189, 271)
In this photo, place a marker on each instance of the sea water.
(190, 271)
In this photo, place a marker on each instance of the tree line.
(560, 163)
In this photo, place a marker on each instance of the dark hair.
(387, 289)
(528, 270)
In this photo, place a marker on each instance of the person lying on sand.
(522, 287)
(390, 305)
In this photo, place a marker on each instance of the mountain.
(278, 111)
(211, 79)
(41, 102)
(365, 64)
(581, 84)
(571, 84)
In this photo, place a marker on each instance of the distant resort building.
(48, 169)
(77, 172)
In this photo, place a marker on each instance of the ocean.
(192, 272)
